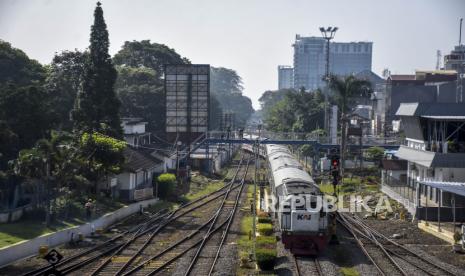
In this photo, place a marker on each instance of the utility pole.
(254, 204)
(327, 34)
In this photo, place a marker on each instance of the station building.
(433, 184)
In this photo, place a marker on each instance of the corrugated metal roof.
(420, 157)
(431, 109)
(451, 187)
(445, 117)
(432, 159)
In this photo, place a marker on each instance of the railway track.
(205, 236)
(136, 239)
(140, 250)
(307, 266)
(388, 256)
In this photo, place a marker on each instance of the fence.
(30, 248)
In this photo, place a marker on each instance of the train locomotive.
(304, 230)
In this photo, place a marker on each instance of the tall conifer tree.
(97, 107)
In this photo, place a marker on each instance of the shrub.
(266, 242)
(265, 229)
(266, 258)
(166, 184)
(264, 220)
(262, 214)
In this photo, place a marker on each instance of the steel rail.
(361, 246)
(67, 260)
(373, 239)
(380, 235)
(297, 267)
(170, 219)
(398, 255)
(316, 263)
(41, 270)
(228, 226)
(217, 215)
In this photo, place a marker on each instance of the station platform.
(445, 232)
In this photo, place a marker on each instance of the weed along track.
(156, 244)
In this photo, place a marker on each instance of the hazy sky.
(249, 36)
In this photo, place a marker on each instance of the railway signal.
(335, 171)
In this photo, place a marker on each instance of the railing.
(305, 136)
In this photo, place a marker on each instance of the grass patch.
(348, 271)
(31, 226)
(199, 189)
(245, 240)
(160, 205)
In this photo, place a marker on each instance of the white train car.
(304, 231)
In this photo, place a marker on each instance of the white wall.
(31, 247)
(132, 129)
(124, 180)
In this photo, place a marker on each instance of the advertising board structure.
(187, 90)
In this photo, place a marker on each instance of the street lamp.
(327, 34)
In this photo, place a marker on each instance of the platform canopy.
(451, 187)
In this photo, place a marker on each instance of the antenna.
(438, 59)
(460, 32)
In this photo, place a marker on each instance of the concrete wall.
(123, 180)
(30, 248)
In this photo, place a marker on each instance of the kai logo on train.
(303, 217)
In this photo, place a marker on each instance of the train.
(304, 229)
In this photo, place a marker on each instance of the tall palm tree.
(346, 90)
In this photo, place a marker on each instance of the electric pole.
(327, 34)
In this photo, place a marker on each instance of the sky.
(252, 37)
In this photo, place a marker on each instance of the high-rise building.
(285, 77)
(310, 60)
(456, 60)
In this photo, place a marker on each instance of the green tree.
(97, 107)
(100, 156)
(147, 54)
(225, 81)
(62, 85)
(8, 145)
(375, 154)
(23, 107)
(216, 113)
(25, 114)
(292, 111)
(142, 96)
(270, 98)
(226, 87)
(52, 161)
(140, 85)
(346, 90)
(16, 68)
